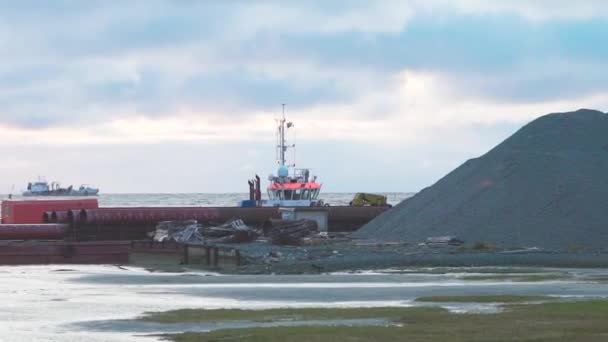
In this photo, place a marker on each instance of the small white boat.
(43, 188)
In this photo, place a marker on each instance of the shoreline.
(336, 257)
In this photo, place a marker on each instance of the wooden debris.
(291, 232)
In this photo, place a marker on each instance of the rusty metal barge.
(79, 231)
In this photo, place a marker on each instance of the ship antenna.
(282, 146)
(281, 143)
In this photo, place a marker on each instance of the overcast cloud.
(181, 95)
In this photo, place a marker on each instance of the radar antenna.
(282, 142)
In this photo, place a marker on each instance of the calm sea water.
(208, 200)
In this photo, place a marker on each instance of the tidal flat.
(125, 303)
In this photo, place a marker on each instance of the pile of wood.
(291, 232)
(233, 231)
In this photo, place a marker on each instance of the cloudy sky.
(181, 96)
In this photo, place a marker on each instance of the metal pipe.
(258, 188)
(340, 218)
(46, 217)
(144, 215)
(251, 190)
(112, 216)
(59, 217)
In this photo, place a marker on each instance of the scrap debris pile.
(291, 232)
(234, 231)
(279, 232)
(179, 231)
(192, 232)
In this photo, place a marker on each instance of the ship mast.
(282, 143)
(282, 147)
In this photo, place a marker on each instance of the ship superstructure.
(291, 186)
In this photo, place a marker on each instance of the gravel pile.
(546, 186)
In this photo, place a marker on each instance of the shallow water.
(91, 303)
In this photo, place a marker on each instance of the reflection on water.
(95, 303)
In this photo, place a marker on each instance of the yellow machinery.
(364, 199)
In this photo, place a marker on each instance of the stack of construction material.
(546, 186)
(291, 232)
(178, 231)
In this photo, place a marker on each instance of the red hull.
(32, 211)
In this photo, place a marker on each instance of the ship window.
(315, 194)
(305, 194)
(297, 194)
(288, 194)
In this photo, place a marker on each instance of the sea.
(212, 200)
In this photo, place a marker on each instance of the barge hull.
(49, 252)
(33, 231)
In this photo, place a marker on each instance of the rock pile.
(545, 186)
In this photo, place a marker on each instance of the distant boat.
(42, 188)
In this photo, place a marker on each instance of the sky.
(182, 96)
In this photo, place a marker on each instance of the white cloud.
(535, 10)
(387, 16)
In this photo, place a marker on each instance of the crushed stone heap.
(545, 186)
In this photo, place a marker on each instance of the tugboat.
(42, 188)
(291, 186)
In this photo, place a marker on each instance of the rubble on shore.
(278, 232)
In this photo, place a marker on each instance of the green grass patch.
(292, 334)
(270, 315)
(518, 277)
(482, 270)
(560, 321)
(484, 299)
